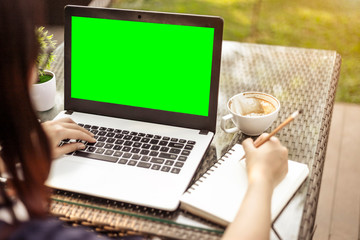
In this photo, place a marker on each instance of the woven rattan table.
(300, 78)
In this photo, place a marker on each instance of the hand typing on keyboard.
(66, 129)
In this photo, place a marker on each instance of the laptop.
(146, 84)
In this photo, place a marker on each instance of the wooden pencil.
(283, 124)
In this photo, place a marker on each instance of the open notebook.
(218, 194)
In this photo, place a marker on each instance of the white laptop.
(146, 84)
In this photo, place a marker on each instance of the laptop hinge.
(204, 132)
(69, 112)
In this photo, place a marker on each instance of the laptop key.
(136, 139)
(128, 143)
(145, 140)
(101, 139)
(157, 137)
(133, 133)
(126, 149)
(149, 135)
(91, 149)
(110, 134)
(155, 167)
(117, 154)
(191, 142)
(94, 131)
(136, 157)
(165, 169)
(119, 136)
(80, 124)
(132, 163)
(189, 147)
(100, 151)
(94, 127)
(146, 146)
(168, 156)
(144, 152)
(175, 150)
(145, 158)
(175, 170)
(96, 156)
(163, 143)
(117, 147)
(169, 163)
(109, 152)
(157, 160)
(110, 140)
(164, 149)
(154, 141)
(127, 137)
(155, 147)
(109, 146)
(127, 155)
(179, 164)
(125, 132)
(166, 138)
(110, 129)
(137, 144)
(175, 145)
(153, 154)
(185, 152)
(99, 144)
(102, 133)
(143, 165)
(182, 141)
(119, 142)
(123, 161)
(135, 150)
(182, 158)
(141, 134)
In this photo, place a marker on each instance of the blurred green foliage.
(320, 24)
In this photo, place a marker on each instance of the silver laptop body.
(138, 79)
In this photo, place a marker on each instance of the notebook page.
(217, 195)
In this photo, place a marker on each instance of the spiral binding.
(207, 173)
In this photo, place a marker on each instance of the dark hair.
(25, 150)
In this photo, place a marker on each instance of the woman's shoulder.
(53, 229)
(50, 229)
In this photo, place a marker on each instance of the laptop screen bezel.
(137, 113)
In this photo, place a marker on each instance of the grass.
(320, 24)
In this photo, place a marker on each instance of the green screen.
(149, 65)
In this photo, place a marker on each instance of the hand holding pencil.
(283, 124)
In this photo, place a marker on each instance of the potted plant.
(43, 92)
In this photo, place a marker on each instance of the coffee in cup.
(251, 112)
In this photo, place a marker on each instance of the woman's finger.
(260, 138)
(67, 148)
(66, 133)
(248, 144)
(76, 127)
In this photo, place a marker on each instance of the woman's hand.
(267, 163)
(65, 128)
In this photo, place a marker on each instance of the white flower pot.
(43, 94)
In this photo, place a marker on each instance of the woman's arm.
(266, 167)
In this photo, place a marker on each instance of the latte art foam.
(251, 106)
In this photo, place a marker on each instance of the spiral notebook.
(218, 194)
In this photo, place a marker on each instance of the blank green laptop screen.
(149, 65)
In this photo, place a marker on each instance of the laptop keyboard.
(154, 152)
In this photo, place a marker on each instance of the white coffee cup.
(252, 124)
